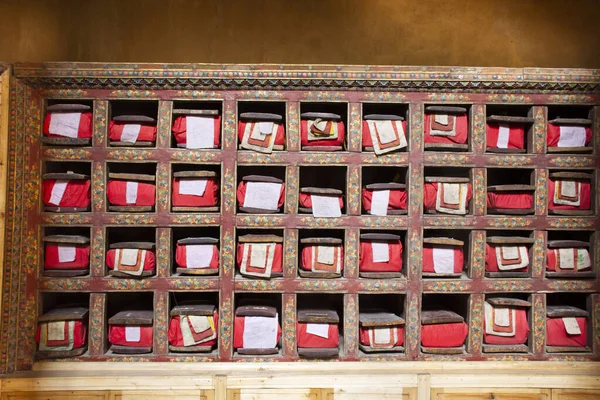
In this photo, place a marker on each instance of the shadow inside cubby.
(561, 309)
(379, 178)
(245, 238)
(377, 311)
(394, 267)
(193, 304)
(142, 239)
(125, 312)
(310, 239)
(315, 179)
(72, 264)
(510, 191)
(314, 310)
(496, 239)
(194, 197)
(447, 313)
(256, 305)
(500, 338)
(148, 108)
(200, 240)
(437, 245)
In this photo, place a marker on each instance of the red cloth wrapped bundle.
(147, 132)
(366, 341)
(238, 332)
(556, 334)
(279, 136)
(430, 194)
(176, 338)
(208, 199)
(116, 191)
(584, 197)
(395, 258)
(277, 258)
(338, 141)
(367, 141)
(461, 130)
(116, 335)
(149, 260)
(180, 257)
(308, 340)
(306, 201)
(510, 200)
(241, 194)
(51, 260)
(516, 136)
(84, 130)
(428, 265)
(551, 264)
(553, 135)
(307, 258)
(77, 193)
(491, 262)
(444, 335)
(79, 334)
(521, 331)
(180, 128)
(397, 199)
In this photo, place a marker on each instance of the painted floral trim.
(133, 94)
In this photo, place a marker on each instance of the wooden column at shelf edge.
(4, 111)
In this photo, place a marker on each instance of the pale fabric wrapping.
(200, 323)
(489, 322)
(337, 261)
(503, 136)
(66, 254)
(192, 187)
(583, 259)
(380, 201)
(570, 189)
(262, 195)
(325, 206)
(264, 252)
(130, 133)
(382, 335)
(56, 330)
(321, 330)
(571, 326)
(43, 338)
(126, 256)
(388, 131)
(462, 199)
(566, 258)
(571, 136)
(381, 252)
(58, 191)
(198, 255)
(199, 132)
(133, 334)
(249, 132)
(435, 132)
(64, 124)
(260, 332)
(131, 192)
(522, 252)
(443, 260)
(321, 125)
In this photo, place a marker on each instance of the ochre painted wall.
(542, 33)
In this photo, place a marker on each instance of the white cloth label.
(260, 332)
(129, 256)
(198, 255)
(130, 133)
(379, 202)
(583, 259)
(321, 330)
(571, 136)
(381, 252)
(503, 136)
(443, 260)
(571, 326)
(382, 335)
(568, 188)
(56, 330)
(501, 257)
(265, 128)
(502, 316)
(566, 258)
(385, 131)
(510, 252)
(64, 124)
(441, 119)
(66, 254)
(325, 206)
(325, 254)
(263, 195)
(451, 193)
(133, 333)
(200, 323)
(258, 255)
(193, 187)
(58, 191)
(131, 192)
(200, 132)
